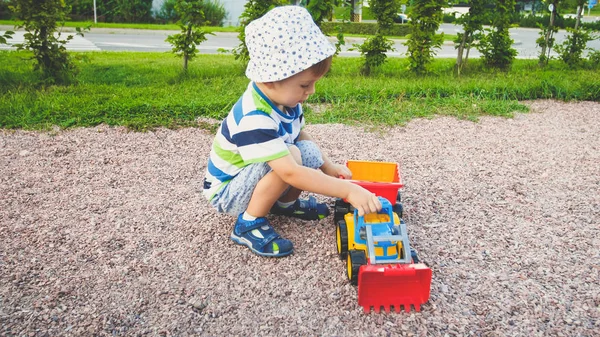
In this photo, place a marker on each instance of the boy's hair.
(321, 68)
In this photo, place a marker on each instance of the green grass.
(147, 90)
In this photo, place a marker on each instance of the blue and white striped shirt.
(254, 131)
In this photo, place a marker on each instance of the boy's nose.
(311, 90)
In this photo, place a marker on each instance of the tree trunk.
(550, 33)
(546, 48)
(459, 57)
(356, 13)
(44, 49)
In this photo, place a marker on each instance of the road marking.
(123, 44)
(78, 43)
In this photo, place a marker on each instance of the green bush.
(363, 28)
(594, 59)
(81, 10)
(5, 12)
(214, 12)
(591, 25)
(167, 12)
(532, 21)
(134, 11)
(449, 18)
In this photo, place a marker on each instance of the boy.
(261, 159)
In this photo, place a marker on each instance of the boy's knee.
(296, 154)
(310, 154)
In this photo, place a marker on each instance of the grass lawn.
(146, 90)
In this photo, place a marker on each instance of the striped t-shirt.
(254, 131)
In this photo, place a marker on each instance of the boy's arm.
(311, 180)
(329, 168)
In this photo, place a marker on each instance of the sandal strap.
(312, 203)
(309, 206)
(250, 225)
(269, 235)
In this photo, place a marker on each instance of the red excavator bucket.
(393, 285)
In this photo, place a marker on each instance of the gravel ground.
(104, 232)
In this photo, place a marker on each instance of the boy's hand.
(338, 171)
(363, 200)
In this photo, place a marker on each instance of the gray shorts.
(234, 198)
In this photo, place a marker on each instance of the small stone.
(335, 296)
(24, 153)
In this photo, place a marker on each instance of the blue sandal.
(306, 209)
(260, 237)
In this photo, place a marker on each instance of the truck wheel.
(398, 197)
(341, 234)
(398, 209)
(414, 255)
(356, 258)
(341, 208)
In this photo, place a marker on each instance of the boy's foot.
(260, 237)
(306, 209)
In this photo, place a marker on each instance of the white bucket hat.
(284, 42)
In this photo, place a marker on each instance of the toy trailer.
(381, 178)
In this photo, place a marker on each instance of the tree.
(496, 46)
(546, 40)
(374, 48)
(320, 10)
(425, 19)
(191, 18)
(472, 23)
(40, 21)
(253, 9)
(571, 49)
(355, 10)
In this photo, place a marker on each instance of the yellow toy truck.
(376, 247)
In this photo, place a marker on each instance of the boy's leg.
(310, 156)
(251, 194)
(269, 189)
(254, 190)
(309, 209)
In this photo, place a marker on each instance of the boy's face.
(293, 90)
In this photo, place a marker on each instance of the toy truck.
(376, 247)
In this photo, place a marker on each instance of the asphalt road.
(154, 41)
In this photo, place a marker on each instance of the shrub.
(363, 28)
(134, 11)
(449, 18)
(41, 21)
(5, 12)
(594, 59)
(214, 12)
(532, 21)
(167, 12)
(571, 50)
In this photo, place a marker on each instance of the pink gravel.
(103, 231)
